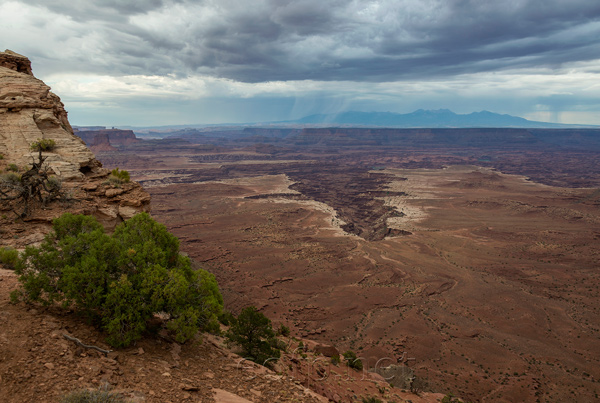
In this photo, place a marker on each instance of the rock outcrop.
(101, 142)
(16, 62)
(107, 139)
(30, 111)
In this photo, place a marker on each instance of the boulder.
(222, 396)
(399, 376)
(327, 350)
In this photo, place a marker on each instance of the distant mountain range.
(439, 118)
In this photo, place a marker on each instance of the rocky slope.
(28, 112)
(38, 363)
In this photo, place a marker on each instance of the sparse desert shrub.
(252, 331)
(371, 400)
(9, 257)
(43, 145)
(335, 360)
(283, 331)
(418, 385)
(1, 156)
(450, 398)
(10, 179)
(12, 168)
(101, 395)
(120, 281)
(53, 183)
(352, 361)
(119, 176)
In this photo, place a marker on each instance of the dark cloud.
(107, 10)
(354, 40)
(266, 40)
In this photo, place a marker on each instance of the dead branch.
(35, 187)
(79, 343)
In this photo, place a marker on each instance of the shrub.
(371, 400)
(120, 281)
(418, 385)
(12, 168)
(54, 183)
(335, 360)
(283, 331)
(101, 395)
(352, 361)
(43, 145)
(1, 156)
(10, 179)
(253, 332)
(450, 398)
(118, 176)
(9, 257)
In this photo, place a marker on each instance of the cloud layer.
(311, 48)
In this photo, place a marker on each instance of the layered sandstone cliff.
(106, 139)
(30, 111)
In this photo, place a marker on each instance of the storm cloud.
(340, 41)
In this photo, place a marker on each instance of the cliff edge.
(29, 111)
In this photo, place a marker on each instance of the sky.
(165, 62)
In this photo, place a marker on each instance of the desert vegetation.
(36, 187)
(352, 360)
(9, 257)
(43, 145)
(118, 176)
(120, 281)
(253, 333)
(103, 394)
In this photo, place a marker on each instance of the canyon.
(38, 360)
(470, 255)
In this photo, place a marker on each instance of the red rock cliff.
(107, 138)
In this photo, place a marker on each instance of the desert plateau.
(473, 263)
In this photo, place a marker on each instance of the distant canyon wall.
(106, 139)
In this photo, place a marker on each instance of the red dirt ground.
(493, 296)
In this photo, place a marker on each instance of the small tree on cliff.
(253, 332)
(22, 192)
(120, 281)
